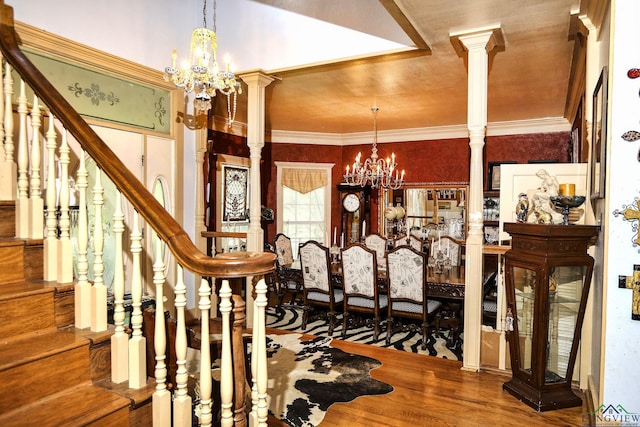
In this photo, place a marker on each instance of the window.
(304, 202)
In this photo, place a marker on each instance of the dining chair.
(450, 247)
(317, 286)
(284, 256)
(379, 244)
(284, 252)
(359, 283)
(411, 240)
(407, 292)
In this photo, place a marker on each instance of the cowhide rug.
(307, 377)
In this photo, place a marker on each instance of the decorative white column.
(256, 81)
(201, 242)
(585, 357)
(477, 44)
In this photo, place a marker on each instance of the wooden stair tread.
(23, 349)
(80, 405)
(137, 397)
(9, 291)
(7, 242)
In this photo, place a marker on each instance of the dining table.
(447, 286)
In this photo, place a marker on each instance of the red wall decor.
(444, 160)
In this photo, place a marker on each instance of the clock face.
(351, 202)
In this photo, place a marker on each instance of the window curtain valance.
(304, 180)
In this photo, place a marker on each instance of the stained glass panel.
(235, 194)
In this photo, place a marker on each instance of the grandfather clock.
(547, 277)
(355, 207)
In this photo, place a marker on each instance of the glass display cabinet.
(547, 277)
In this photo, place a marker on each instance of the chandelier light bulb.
(200, 73)
(373, 171)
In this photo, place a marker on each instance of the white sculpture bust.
(542, 210)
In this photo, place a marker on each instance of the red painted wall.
(445, 160)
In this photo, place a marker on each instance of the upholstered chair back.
(359, 270)
(378, 244)
(406, 273)
(284, 253)
(314, 262)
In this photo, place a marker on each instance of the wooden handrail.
(223, 234)
(237, 264)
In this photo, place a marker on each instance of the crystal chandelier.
(201, 73)
(374, 171)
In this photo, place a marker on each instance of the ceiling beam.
(405, 23)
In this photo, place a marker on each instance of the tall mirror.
(425, 208)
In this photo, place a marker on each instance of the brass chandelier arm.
(374, 171)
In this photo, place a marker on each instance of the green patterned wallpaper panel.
(105, 97)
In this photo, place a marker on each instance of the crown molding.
(544, 125)
(521, 127)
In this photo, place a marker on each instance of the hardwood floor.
(430, 391)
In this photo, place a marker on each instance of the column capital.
(483, 38)
(258, 77)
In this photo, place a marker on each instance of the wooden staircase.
(52, 374)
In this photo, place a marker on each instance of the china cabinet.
(547, 278)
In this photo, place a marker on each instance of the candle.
(335, 230)
(447, 247)
(342, 240)
(174, 55)
(568, 190)
(364, 228)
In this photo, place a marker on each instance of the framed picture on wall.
(599, 137)
(493, 175)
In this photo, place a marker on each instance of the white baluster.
(22, 202)
(161, 396)
(120, 339)
(9, 170)
(99, 290)
(260, 348)
(137, 343)
(255, 337)
(83, 287)
(226, 364)
(65, 251)
(205, 354)
(36, 204)
(182, 413)
(50, 248)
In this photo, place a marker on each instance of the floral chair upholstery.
(284, 256)
(359, 282)
(378, 244)
(407, 291)
(316, 282)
